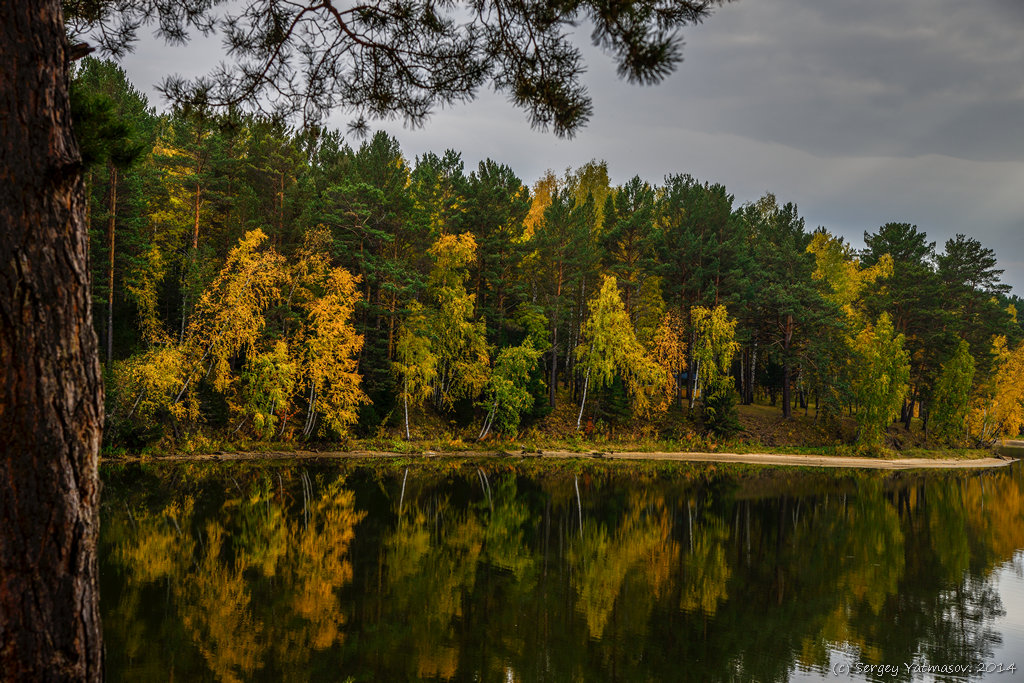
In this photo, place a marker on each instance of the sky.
(861, 113)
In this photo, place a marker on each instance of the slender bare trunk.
(586, 384)
(488, 422)
(401, 498)
(405, 406)
(579, 503)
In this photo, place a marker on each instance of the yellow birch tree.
(668, 348)
(713, 348)
(997, 409)
(880, 382)
(331, 351)
(611, 348)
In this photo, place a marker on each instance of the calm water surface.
(515, 570)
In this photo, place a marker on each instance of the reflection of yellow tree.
(216, 574)
(869, 545)
(947, 530)
(262, 540)
(706, 570)
(156, 547)
(601, 566)
(428, 579)
(661, 556)
(215, 609)
(874, 547)
(503, 537)
(995, 517)
(160, 546)
(602, 560)
(317, 568)
(433, 559)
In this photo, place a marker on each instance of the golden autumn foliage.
(331, 348)
(459, 342)
(148, 381)
(143, 287)
(715, 345)
(208, 565)
(226, 345)
(416, 363)
(230, 315)
(838, 266)
(997, 409)
(714, 333)
(668, 347)
(543, 190)
(611, 348)
(442, 351)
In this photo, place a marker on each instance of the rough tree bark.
(51, 408)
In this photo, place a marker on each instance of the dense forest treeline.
(254, 282)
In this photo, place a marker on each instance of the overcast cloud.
(861, 112)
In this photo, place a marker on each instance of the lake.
(513, 569)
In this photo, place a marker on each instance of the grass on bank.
(763, 430)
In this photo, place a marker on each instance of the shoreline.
(766, 459)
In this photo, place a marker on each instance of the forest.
(254, 283)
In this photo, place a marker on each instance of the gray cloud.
(866, 77)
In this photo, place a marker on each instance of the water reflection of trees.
(322, 573)
(249, 575)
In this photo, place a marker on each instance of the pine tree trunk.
(553, 384)
(753, 371)
(908, 414)
(195, 215)
(110, 269)
(787, 371)
(787, 391)
(51, 398)
(743, 376)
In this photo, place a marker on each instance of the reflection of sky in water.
(1008, 581)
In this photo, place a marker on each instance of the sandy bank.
(772, 459)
